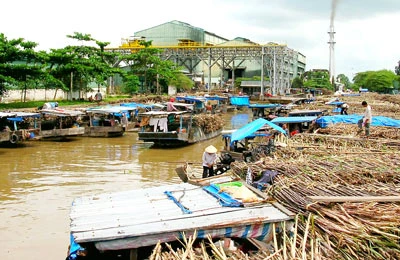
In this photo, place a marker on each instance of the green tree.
(131, 84)
(297, 82)
(20, 65)
(317, 79)
(182, 82)
(79, 65)
(344, 80)
(377, 81)
(151, 70)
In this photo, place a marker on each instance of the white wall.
(45, 95)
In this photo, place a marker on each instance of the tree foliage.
(151, 69)
(20, 64)
(377, 81)
(343, 79)
(297, 82)
(317, 79)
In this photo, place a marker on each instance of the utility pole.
(71, 85)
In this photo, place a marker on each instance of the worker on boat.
(209, 160)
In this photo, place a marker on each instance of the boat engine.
(224, 164)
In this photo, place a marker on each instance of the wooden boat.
(60, 124)
(132, 121)
(176, 128)
(106, 121)
(237, 141)
(193, 175)
(131, 223)
(17, 127)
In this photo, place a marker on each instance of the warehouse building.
(216, 61)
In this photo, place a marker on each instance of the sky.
(366, 30)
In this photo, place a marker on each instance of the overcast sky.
(366, 30)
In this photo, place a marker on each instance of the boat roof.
(163, 113)
(147, 106)
(191, 99)
(253, 127)
(7, 114)
(142, 217)
(27, 114)
(264, 105)
(110, 109)
(61, 112)
(307, 112)
(293, 119)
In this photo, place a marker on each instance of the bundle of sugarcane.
(283, 246)
(357, 177)
(209, 122)
(345, 141)
(351, 130)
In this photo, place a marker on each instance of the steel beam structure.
(275, 59)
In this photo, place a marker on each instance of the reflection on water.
(39, 181)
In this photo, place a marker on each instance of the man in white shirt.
(366, 120)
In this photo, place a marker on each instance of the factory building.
(215, 61)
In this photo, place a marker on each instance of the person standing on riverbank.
(366, 120)
(209, 159)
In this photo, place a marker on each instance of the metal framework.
(275, 59)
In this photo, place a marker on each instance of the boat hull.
(104, 131)
(175, 139)
(62, 134)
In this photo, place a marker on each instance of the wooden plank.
(354, 198)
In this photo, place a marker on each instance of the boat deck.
(143, 217)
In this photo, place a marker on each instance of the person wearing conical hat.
(209, 159)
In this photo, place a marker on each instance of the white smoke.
(333, 11)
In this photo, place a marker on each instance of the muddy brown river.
(39, 181)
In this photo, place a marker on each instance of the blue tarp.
(240, 100)
(335, 103)
(191, 99)
(293, 119)
(264, 105)
(253, 127)
(324, 121)
(224, 198)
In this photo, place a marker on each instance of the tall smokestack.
(332, 43)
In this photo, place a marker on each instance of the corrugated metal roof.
(149, 212)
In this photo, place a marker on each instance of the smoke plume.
(333, 11)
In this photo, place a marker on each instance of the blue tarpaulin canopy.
(253, 127)
(335, 103)
(240, 100)
(191, 99)
(324, 121)
(293, 119)
(264, 105)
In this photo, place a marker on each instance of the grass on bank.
(61, 103)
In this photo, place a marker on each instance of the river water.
(39, 181)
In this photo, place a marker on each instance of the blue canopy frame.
(252, 127)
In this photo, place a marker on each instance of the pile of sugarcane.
(207, 249)
(351, 130)
(357, 230)
(209, 122)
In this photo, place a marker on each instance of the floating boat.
(132, 121)
(236, 141)
(17, 127)
(194, 175)
(107, 121)
(177, 128)
(60, 124)
(130, 222)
